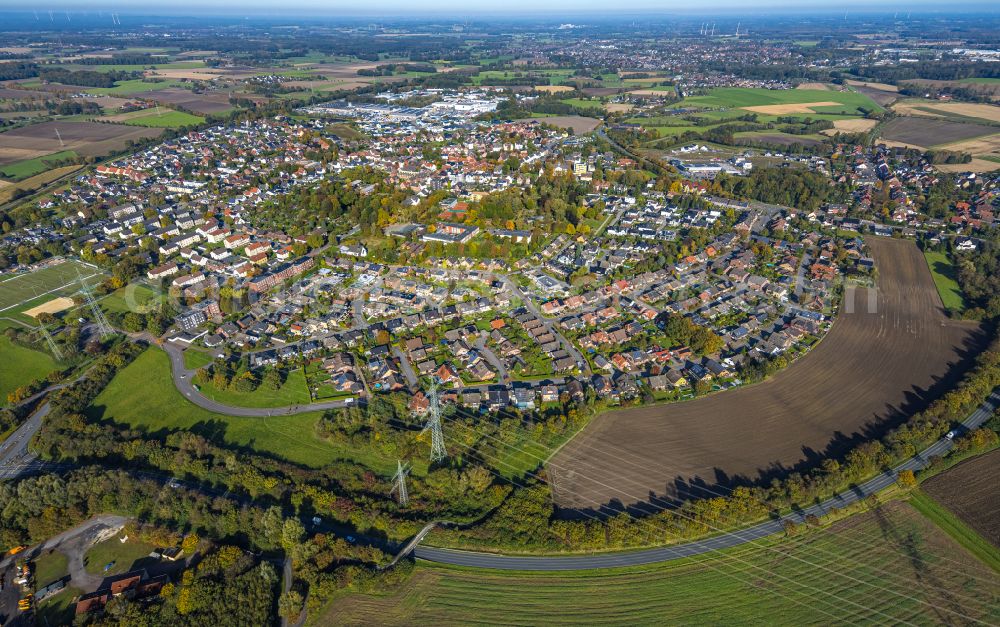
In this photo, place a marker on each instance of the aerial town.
(298, 316)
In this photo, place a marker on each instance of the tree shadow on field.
(915, 399)
(908, 541)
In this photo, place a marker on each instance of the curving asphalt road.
(182, 377)
(722, 541)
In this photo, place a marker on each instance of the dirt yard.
(929, 132)
(814, 86)
(208, 102)
(878, 86)
(977, 503)
(976, 165)
(854, 125)
(784, 109)
(580, 124)
(989, 144)
(86, 138)
(53, 306)
(618, 107)
(941, 109)
(872, 369)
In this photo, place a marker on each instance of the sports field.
(887, 567)
(44, 284)
(160, 408)
(876, 366)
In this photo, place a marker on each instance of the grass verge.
(959, 531)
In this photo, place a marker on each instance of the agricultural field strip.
(724, 556)
(751, 428)
(865, 549)
(618, 584)
(977, 505)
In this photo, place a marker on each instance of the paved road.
(723, 541)
(182, 380)
(491, 358)
(82, 535)
(404, 363)
(357, 308)
(530, 305)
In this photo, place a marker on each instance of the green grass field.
(136, 86)
(954, 527)
(30, 167)
(123, 554)
(50, 567)
(592, 105)
(20, 366)
(943, 272)
(126, 67)
(58, 610)
(165, 118)
(160, 408)
(196, 359)
(555, 76)
(292, 392)
(735, 97)
(46, 283)
(135, 297)
(888, 567)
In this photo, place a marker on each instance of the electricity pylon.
(399, 483)
(102, 323)
(52, 343)
(438, 451)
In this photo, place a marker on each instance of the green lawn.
(943, 272)
(20, 366)
(293, 392)
(135, 297)
(195, 359)
(165, 118)
(554, 76)
(958, 530)
(593, 105)
(30, 167)
(867, 569)
(161, 408)
(123, 554)
(58, 610)
(50, 567)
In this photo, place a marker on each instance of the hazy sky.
(464, 7)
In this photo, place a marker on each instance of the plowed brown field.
(871, 370)
(970, 490)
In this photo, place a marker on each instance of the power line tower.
(53, 348)
(399, 483)
(99, 319)
(438, 451)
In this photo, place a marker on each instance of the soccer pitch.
(31, 288)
